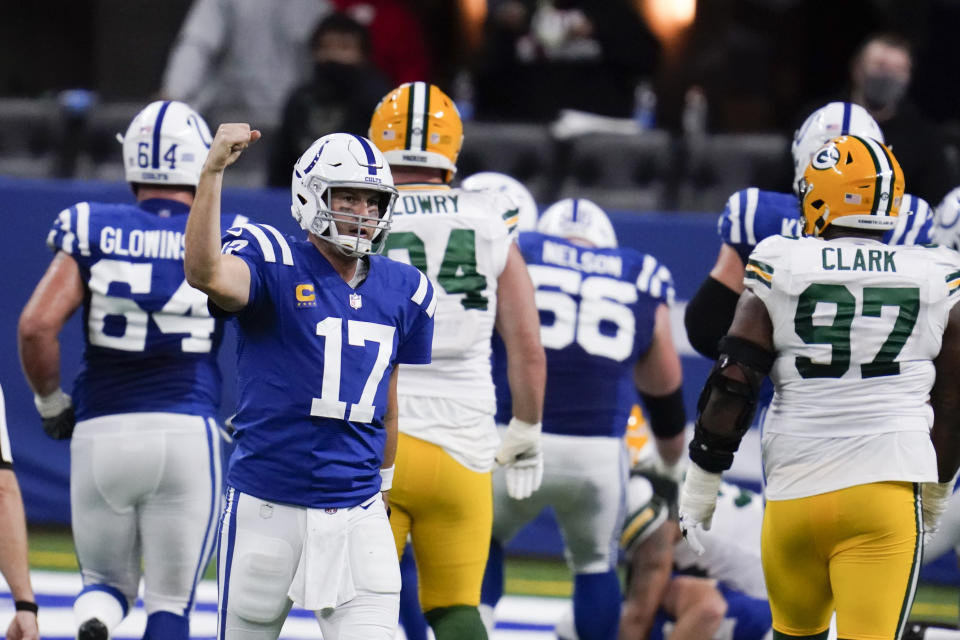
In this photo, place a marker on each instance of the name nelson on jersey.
(139, 243)
(567, 256)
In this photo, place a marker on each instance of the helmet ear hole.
(817, 204)
(849, 157)
(302, 199)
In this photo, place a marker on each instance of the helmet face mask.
(826, 123)
(851, 182)
(417, 124)
(165, 144)
(578, 218)
(342, 161)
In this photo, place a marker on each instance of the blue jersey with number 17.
(314, 359)
(150, 341)
(597, 314)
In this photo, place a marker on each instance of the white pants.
(145, 484)
(341, 563)
(584, 480)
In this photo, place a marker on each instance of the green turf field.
(52, 549)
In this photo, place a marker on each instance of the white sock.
(486, 614)
(98, 604)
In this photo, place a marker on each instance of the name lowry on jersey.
(139, 243)
(427, 203)
(833, 258)
(567, 256)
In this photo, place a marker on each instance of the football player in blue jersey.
(145, 480)
(606, 330)
(14, 565)
(753, 214)
(323, 323)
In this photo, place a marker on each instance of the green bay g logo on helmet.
(826, 158)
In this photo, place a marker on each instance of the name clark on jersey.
(863, 260)
(582, 260)
(154, 243)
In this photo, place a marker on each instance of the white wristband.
(520, 426)
(52, 404)
(386, 478)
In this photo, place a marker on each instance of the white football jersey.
(732, 545)
(460, 240)
(856, 325)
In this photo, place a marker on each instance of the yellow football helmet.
(853, 182)
(418, 124)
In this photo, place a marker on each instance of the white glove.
(520, 453)
(934, 497)
(698, 499)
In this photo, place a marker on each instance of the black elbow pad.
(713, 446)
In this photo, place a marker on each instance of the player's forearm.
(38, 343)
(527, 376)
(201, 260)
(40, 361)
(391, 421)
(945, 400)
(652, 565)
(13, 531)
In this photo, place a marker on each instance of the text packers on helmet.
(578, 218)
(166, 143)
(851, 182)
(343, 160)
(512, 188)
(417, 124)
(826, 123)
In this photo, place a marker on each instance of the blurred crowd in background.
(639, 104)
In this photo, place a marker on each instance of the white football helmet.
(578, 218)
(166, 143)
(343, 160)
(946, 221)
(510, 187)
(826, 123)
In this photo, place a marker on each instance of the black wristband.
(668, 417)
(25, 605)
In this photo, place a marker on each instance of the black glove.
(60, 426)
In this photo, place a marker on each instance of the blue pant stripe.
(230, 522)
(212, 450)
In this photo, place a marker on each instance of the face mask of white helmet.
(343, 161)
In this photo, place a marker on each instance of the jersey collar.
(163, 207)
(423, 186)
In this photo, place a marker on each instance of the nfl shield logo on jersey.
(355, 301)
